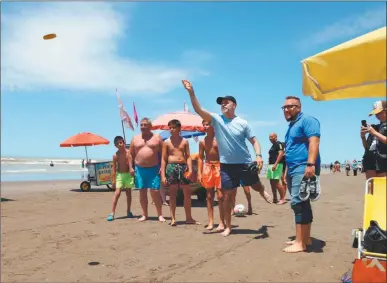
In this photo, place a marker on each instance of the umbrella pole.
(123, 130)
(87, 158)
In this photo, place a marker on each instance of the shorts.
(124, 181)
(147, 177)
(175, 174)
(276, 174)
(232, 175)
(211, 176)
(375, 163)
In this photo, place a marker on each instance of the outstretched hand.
(187, 85)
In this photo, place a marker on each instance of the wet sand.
(51, 231)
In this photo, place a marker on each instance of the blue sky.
(54, 89)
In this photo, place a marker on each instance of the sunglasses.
(289, 106)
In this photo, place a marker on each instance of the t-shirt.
(274, 152)
(297, 143)
(231, 135)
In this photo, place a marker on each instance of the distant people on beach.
(52, 164)
(355, 167)
(83, 163)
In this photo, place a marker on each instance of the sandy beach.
(51, 232)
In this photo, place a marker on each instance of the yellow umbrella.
(354, 69)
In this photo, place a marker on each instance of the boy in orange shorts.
(209, 174)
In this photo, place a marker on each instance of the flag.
(125, 118)
(135, 114)
(185, 107)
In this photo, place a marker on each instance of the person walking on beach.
(275, 169)
(121, 178)
(303, 161)
(209, 174)
(176, 170)
(236, 165)
(145, 150)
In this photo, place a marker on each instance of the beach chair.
(370, 266)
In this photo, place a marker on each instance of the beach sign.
(103, 172)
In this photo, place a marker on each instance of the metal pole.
(123, 130)
(87, 158)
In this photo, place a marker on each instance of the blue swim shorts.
(147, 177)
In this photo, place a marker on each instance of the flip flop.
(110, 217)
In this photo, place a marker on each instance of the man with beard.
(303, 161)
(236, 165)
(145, 149)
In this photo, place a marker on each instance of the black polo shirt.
(274, 151)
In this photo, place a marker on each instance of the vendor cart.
(99, 174)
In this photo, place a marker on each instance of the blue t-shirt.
(231, 135)
(297, 143)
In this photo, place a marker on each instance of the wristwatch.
(258, 154)
(309, 164)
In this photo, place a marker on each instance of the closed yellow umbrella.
(354, 69)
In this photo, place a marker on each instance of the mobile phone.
(364, 123)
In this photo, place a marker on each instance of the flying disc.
(49, 36)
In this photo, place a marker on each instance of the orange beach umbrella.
(84, 139)
(189, 121)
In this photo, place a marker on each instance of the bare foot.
(267, 197)
(250, 211)
(220, 227)
(210, 226)
(309, 243)
(192, 221)
(226, 232)
(161, 218)
(282, 201)
(142, 219)
(173, 223)
(295, 248)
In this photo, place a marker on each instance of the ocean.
(39, 169)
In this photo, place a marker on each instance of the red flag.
(135, 114)
(124, 115)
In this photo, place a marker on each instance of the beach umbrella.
(84, 139)
(189, 121)
(354, 69)
(185, 134)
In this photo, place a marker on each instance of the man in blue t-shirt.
(303, 169)
(236, 164)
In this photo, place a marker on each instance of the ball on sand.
(49, 36)
(240, 210)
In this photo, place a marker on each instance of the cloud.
(85, 55)
(348, 27)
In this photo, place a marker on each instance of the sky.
(51, 90)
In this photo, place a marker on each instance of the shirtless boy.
(209, 174)
(121, 178)
(176, 170)
(145, 149)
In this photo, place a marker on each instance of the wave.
(45, 171)
(42, 161)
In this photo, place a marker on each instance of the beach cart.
(357, 69)
(99, 174)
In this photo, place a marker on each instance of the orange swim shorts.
(211, 175)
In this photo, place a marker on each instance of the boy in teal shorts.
(121, 178)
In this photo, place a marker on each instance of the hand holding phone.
(364, 123)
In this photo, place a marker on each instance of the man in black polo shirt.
(275, 168)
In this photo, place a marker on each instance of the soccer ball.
(240, 210)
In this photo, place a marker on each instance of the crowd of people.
(225, 163)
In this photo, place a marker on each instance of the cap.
(379, 106)
(229, 97)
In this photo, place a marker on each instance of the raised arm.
(195, 103)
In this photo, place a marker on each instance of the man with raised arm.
(236, 164)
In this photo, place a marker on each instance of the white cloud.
(348, 27)
(84, 56)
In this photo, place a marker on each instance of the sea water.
(39, 169)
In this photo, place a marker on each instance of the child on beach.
(209, 174)
(176, 170)
(121, 178)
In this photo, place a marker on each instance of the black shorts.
(376, 163)
(232, 175)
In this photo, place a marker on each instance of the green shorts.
(275, 174)
(124, 181)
